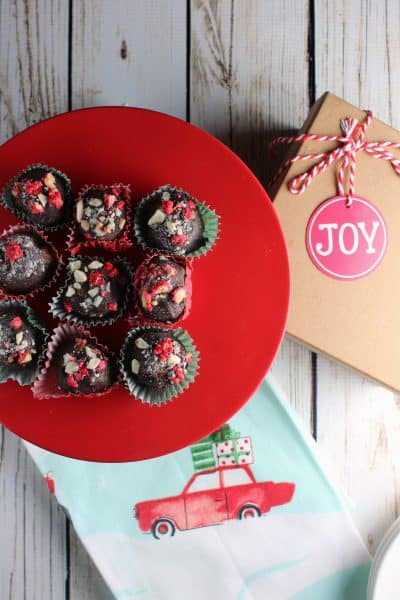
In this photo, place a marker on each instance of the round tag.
(346, 242)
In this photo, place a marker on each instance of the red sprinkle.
(179, 240)
(13, 251)
(71, 381)
(179, 372)
(67, 307)
(55, 198)
(112, 306)
(102, 364)
(33, 188)
(168, 206)
(16, 323)
(120, 205)
(109, 200)
(82, 373)
(179, 375)
(191, 204)
(164, 348)
(189, 357)
(16, 189)
(112, 271)
(96, 278)
(37, 208)
(22, 356)
(189, 214)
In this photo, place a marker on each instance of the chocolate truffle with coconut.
(41, 195)
(17, 340)
(160, 288)
(27, 261)
(155, 359)
(95, 287)
(83, 367)
(169, 220)
(101, 212)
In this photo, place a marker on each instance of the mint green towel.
(246, 514)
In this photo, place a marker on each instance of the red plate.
(240, 289)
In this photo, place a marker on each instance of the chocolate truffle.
(155, 359)
(18, 345)
(95, 287)
(41, 195)
(169, 220)
(101, 212)
(26, 262)
(160, 289)
(83, 367)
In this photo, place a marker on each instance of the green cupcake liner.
(58, 311)
(7, 201)
(149, 395)
(27, 374)
(209, 217)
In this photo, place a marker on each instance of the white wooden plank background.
(244, 71)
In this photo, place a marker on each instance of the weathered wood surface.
(358, 429)
(244, 71)
(33, 86)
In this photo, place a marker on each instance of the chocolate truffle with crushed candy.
(41, 195)
(95, 287)
(155, 359)
(26, 262)
(17, 340)
(101, 212)
(170, 221)
(22, 340)
(160, 289)
(83, 368)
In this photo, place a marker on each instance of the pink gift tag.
(346, 242)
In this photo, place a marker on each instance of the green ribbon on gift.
(203, 455)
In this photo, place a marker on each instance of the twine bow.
(351, 142)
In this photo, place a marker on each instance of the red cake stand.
(240, 289)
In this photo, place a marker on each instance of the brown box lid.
(355, 322)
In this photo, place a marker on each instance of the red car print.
(210, 497)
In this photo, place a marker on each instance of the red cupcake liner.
(138, 318)
(76, 244)
(59, 263)
(46, 385)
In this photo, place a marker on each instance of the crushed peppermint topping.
(164, 348)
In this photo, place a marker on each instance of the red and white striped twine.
(351, 142)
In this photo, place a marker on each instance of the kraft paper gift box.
(345, 260)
